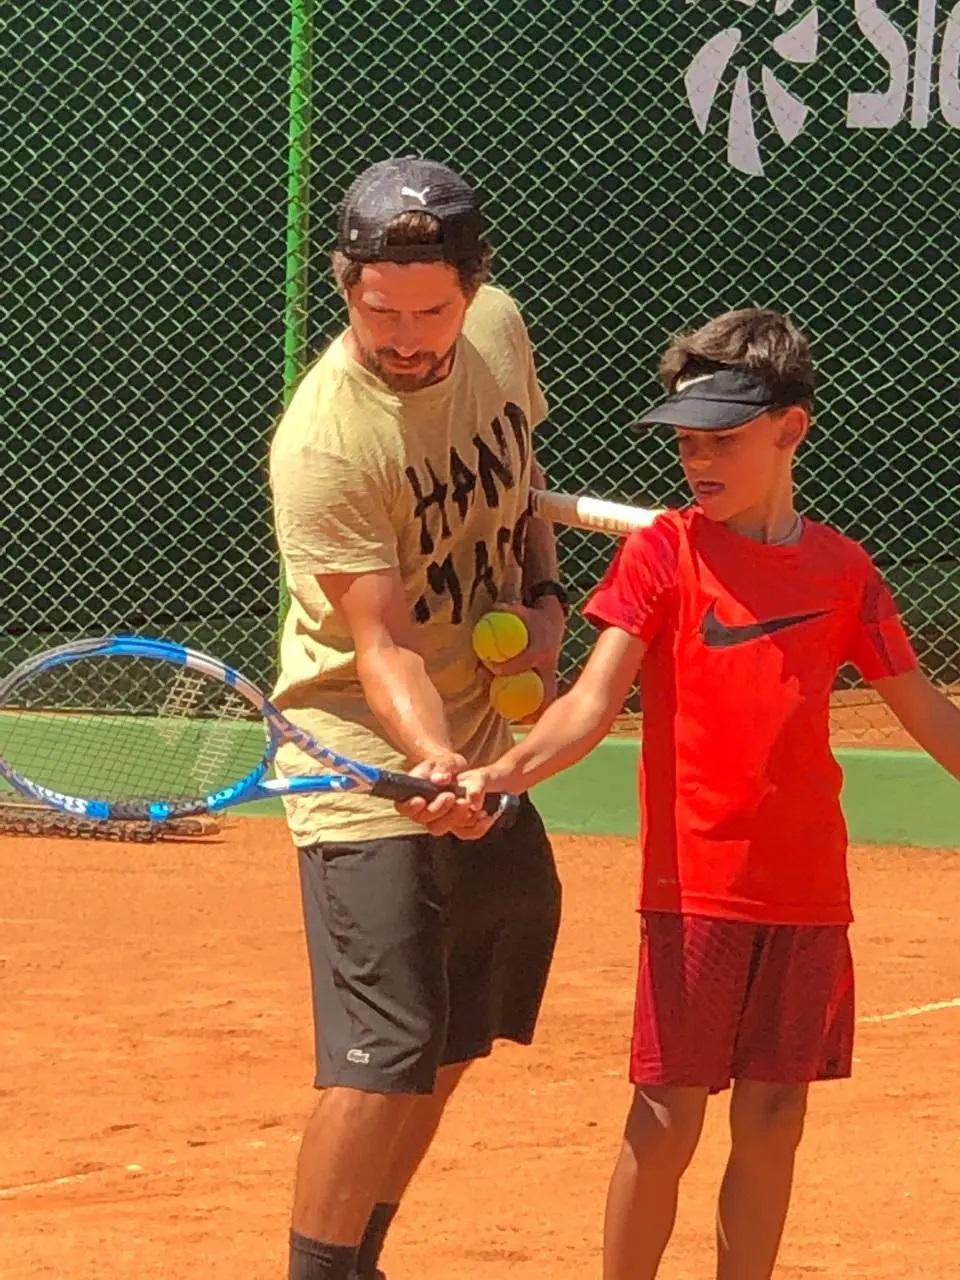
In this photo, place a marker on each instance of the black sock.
(368, 1255)
(316, 1260)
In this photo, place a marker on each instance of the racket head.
(129, 727)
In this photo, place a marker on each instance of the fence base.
(889, 797)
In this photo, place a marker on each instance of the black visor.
(716, 400)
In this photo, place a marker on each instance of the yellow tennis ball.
(499, 636)
(516, 697)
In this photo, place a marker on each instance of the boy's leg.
(796, 1027)
(690, 987)
(660, 1137)
(766, 1124)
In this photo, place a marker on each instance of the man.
(400, 475)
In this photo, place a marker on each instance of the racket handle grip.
(403, 786)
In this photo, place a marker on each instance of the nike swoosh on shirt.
(718, 635)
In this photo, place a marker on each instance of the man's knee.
(359, 1110)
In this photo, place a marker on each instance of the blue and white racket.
(125, 727)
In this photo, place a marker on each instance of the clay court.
(157, 1054)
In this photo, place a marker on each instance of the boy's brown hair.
(766, 342)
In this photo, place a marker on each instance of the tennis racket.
(581, 512)
(124, 727)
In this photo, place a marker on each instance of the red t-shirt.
(740, 792)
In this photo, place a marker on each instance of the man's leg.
(766, 1124)
(503, 915)
(412, 1144)
(374, 917)
(417, 1133)
(503, 911)
(347, 1146)
(661, 1135)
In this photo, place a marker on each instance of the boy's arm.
(572, 725)
(632, 603)
(928, 715)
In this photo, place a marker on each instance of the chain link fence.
(645, 166)
(145, 163)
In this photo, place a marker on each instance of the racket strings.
(127, 729)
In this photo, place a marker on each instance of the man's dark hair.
(414, 227)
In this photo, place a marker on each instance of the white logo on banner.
(797, 44)
(913, 67)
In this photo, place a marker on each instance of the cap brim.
(699, 415)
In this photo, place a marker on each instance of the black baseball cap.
(719, 398)
(391, 187)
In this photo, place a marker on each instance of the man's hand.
(448, 814)
(545, 625)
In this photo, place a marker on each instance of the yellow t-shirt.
(433, 482)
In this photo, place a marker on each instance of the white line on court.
(7, 1193)
(913, 1012)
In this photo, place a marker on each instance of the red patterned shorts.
(727, 999)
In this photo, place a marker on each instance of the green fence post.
(297, 278)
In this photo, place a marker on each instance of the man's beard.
(426, 368)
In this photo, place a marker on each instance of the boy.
(737, 612)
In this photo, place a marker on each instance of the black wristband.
(548, 587)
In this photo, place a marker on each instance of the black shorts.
(425, 949)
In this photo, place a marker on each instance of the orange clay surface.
(156, 1053)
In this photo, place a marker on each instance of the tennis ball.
(516, 697)
(499, 636)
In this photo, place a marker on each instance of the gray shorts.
(424, 950)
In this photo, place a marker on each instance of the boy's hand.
(478, 783)
(448, 814)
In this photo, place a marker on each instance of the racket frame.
(345, 774)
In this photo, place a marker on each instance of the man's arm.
(390, 665)
(546, 619)
(928, 715)
(400, 693)
(540, 564)
(540, 552)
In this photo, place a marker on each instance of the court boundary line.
(11, 1191)
(914, 1011)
